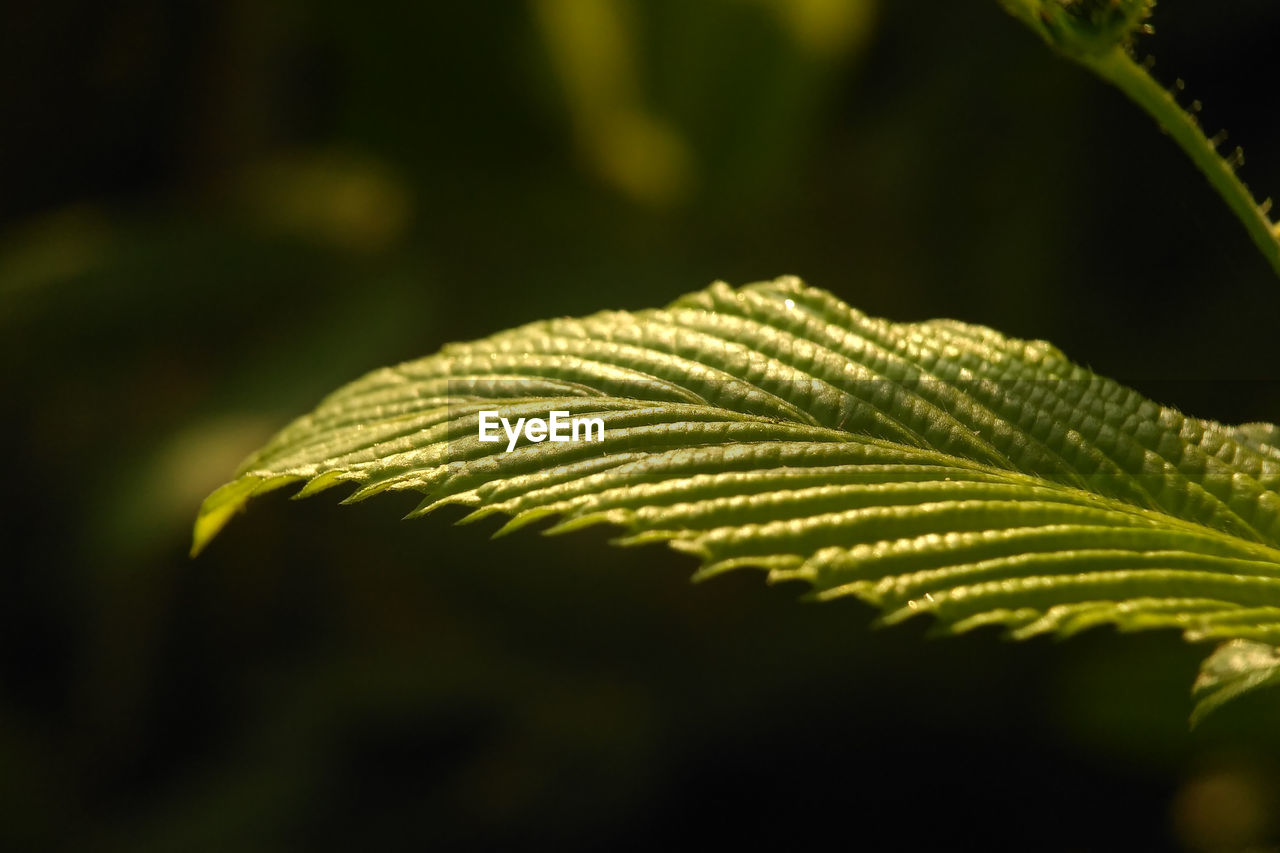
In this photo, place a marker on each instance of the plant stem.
(1114, 64)
(1117, 67)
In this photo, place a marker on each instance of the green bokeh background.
(212, 213)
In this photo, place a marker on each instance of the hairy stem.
(1107, 55)
(1118, 68)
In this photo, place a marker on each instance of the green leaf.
(923, 467)
(1236, 668)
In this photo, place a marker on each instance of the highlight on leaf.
(931, 467)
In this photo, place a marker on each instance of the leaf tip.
(222, 505)
(218, 509)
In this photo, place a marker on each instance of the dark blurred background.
(212, 213)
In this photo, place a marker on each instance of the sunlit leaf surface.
(926, 468)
